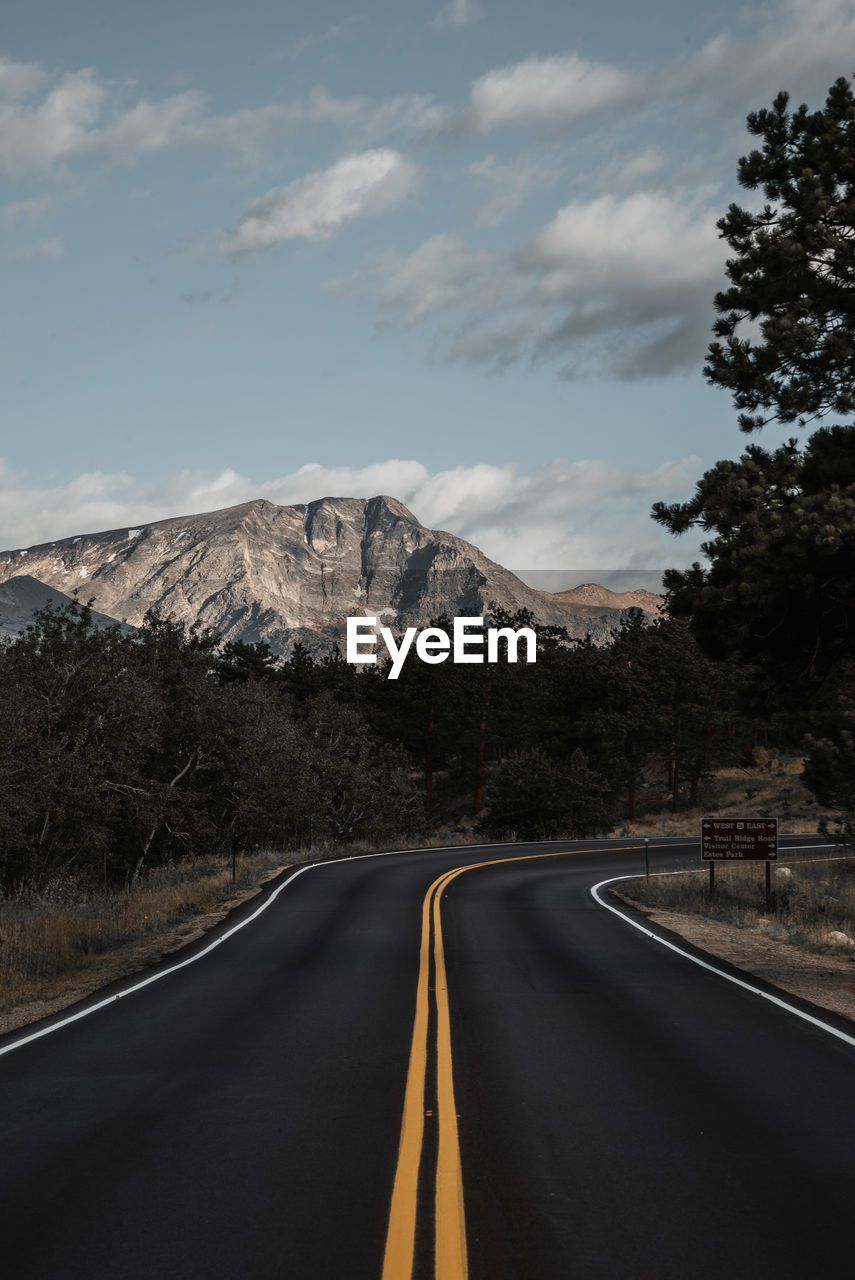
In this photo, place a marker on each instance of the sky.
(461, 253)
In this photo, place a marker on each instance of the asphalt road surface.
(397, 1071)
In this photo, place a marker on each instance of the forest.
(125, 751)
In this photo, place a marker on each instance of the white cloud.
(616, 283)
(68, 123)
(637, 241)
(76, 116)
(547, 92)
(799, 40)
(317, 205)
(36, 137)
(365, 116)
(442, 273)
(148, 126)
(625, 171)
(20, 79)
(26, 211)
(41, 249)
(457, 13)
(510, 185)
(636, 272)
(561, 515)
(322, 36)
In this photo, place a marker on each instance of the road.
(394, 1069)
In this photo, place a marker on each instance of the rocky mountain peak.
(259, 571)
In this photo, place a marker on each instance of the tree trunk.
(429, 759)
(478, 798)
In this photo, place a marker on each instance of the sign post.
(740, 840)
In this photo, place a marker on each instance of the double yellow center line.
(449, 1220)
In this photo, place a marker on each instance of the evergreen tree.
(794, 268)
(780, 589)
(533, 798)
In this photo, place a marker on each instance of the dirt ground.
(825, 980)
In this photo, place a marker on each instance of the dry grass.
(813, 902)
(63, 929)
(771, 790)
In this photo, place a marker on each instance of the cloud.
(207, 297)
(625, 171)
(510, 185)
(323, 36)
(615, 283)
(20, 79)
(68, 124)
(36, 137)
(797, 40)
(75, 116)
(801, 40)
(457, 13)
(559, 516)
(365, 116)
(42, 249)
(151, 126)
(640, 240)
(636, 271)
(441, 274)
(27, 211)
(547, 92)
(314, 207)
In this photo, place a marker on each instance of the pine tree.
(793, 272)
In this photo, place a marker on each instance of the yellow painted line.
(450, 1221)
(401, 1233)
(450, 1261)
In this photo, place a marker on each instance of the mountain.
(284, 574)
(590, 593)
(22, 596)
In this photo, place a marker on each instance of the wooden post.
(712, 878)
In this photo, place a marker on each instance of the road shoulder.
(821, 981)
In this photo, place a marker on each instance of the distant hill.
(259, 571)
(590, 593)
(21, 597)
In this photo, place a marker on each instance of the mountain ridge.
(259, 571)
(23, 595)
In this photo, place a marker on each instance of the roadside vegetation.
(52, 935)
(813, 904)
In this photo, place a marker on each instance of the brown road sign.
(741, 839)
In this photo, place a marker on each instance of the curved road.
(395, 1070)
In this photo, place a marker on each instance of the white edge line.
(182, 964)
(746, 986)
